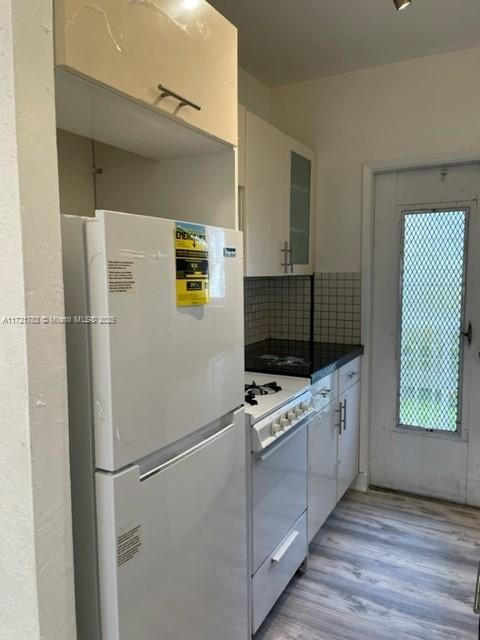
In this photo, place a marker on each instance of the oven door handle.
(273, 448)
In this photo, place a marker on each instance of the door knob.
(468, 334)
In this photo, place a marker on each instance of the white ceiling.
(286, 41)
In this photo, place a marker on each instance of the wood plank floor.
(385, 567)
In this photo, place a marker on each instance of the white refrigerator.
(157, 432)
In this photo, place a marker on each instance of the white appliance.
(157, 434)
(278, 441)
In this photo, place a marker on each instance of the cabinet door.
(322, 468)
(133, 47)
(265, 206)
(241, 154)
(348, 441)
(300, 201)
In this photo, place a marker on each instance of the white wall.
(409, 110)
(36, 563)
(198, 189)
(254, 95)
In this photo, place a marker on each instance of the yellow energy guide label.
(191, 255)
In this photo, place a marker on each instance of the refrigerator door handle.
(184, 454)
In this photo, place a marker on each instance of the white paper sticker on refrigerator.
(129, 543)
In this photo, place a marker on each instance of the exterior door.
(425, 424)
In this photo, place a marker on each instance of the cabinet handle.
(291, 260)
(285, 251)
(352, 374)
(340, 411)
(184, 102)
(325, 392)
(285, 547)
(476, 604)
(345, 414)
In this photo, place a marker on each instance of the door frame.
(369, 172)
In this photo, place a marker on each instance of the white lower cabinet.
(348, 440)
(333, 443)
(322, 468)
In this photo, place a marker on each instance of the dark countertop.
(313, 360)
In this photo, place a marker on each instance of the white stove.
(278, 435)
(283, 402)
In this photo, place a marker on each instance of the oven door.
(279, 491)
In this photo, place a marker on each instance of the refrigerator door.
(160, 371)
(173, 545)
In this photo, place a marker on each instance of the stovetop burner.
(254, 389)
(283, 361)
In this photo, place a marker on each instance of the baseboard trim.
(361, 483)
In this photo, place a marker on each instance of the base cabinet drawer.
(349, 375)
(325, 391)
(278, 569)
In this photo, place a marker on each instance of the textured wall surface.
(36, 573)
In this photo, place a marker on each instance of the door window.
(431, 319)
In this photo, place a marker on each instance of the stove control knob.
(291, 415)
(276, 428)
(299, 411)
(305, 406)
(284, 422)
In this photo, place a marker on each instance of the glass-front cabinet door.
(301, 171)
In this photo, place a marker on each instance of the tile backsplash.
(278, 308)
(281, 308)
(337, 308)
(257, 312)
(289, 306)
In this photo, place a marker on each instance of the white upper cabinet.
(265, 201)
(176, 56)
(242, 132)
(279, 201)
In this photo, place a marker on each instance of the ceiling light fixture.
(190, 5)
(402, 4)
